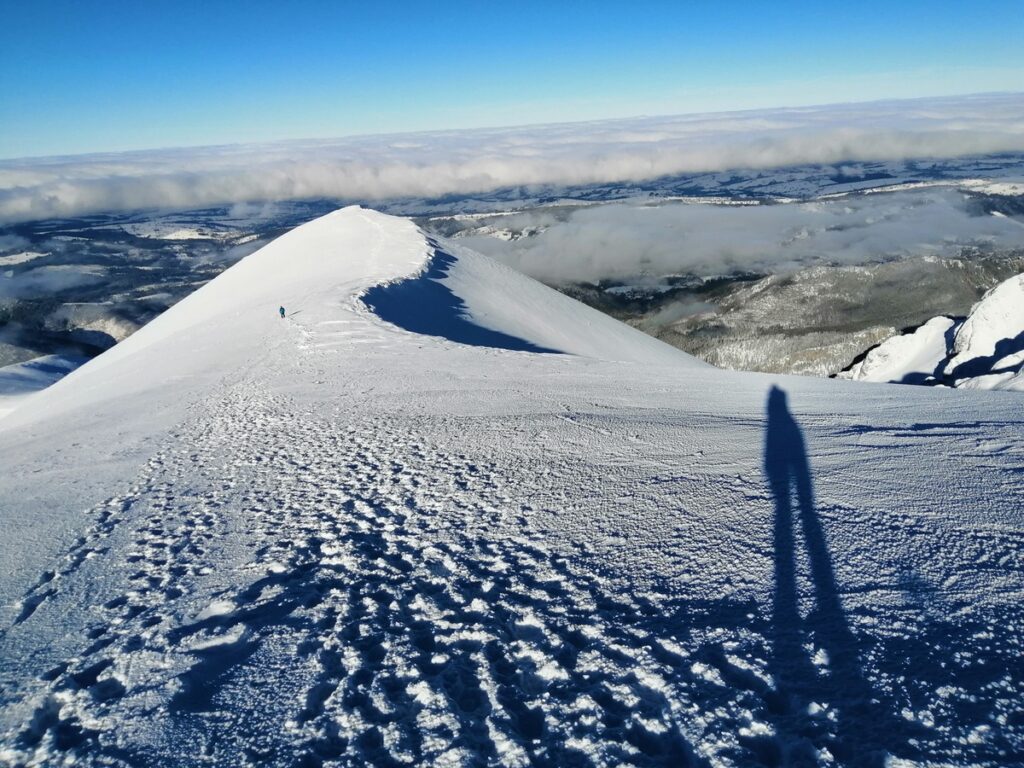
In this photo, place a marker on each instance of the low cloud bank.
(621, 242)
(467, 162)
(47, 281)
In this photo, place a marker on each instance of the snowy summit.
(439, 514)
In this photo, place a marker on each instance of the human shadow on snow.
(483, 621)
(814, 657)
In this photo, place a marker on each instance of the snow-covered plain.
(442, 515)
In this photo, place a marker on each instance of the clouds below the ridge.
(620, 241)
(466, 162)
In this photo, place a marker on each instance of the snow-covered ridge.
(471, 299)
(321, 272)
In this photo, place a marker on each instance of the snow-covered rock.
(985, 351)
(994, 330)
(911, 358)
(1008, 375)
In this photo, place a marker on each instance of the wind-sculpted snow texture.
(329, 540)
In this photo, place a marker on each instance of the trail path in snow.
(366, 547)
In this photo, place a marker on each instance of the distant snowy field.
(443, 515)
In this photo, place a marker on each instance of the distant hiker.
(281, 310)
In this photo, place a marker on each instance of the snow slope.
(441, 515)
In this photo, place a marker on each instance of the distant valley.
(788, 304)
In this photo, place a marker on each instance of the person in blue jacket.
(281, 310)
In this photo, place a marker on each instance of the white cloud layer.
(438, 163)
(620, 241)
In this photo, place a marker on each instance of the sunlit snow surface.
(329, 540)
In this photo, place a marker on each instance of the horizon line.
(506, 127)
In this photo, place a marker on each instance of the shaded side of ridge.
(423, 304)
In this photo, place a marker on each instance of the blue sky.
(109, 76)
